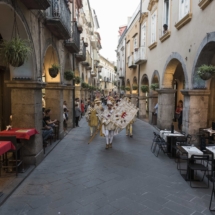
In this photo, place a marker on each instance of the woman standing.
(82, 108)
(179, 114)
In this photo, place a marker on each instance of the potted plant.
(154, 86)
(77, 80)
(127, 88)
(205, 72)
(15, 51)
(53, 71)
(134, 87)
(68, 75)
(145, 88)
(86, 44)
(84, 85)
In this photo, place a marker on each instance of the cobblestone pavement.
(77, 178)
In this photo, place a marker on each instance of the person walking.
(108, 127)
(77, 115)
(92, 118)
(82, 108)
(65, 119)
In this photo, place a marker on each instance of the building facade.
(107, 76)
(176, 38)
(60, 32)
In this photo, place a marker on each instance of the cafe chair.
(17, 154)
(181, 141)
(198, 163)
(212, 195)
(161, 144)
(153, 141)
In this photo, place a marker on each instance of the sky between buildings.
(112, 14)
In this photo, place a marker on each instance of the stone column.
(195, 111)
(68, 97)
(134, 98)
(54, 101)
(26, 104)
(166, 108)
(82, 94)
(78, 92)
(153, 100)
(142, 107)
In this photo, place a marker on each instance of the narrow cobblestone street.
(77, 178)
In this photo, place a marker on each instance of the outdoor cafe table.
(189, 150)
(5, 146)
(20, 133)
(210, 131)
(170, 140)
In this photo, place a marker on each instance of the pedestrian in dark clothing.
(77, 115)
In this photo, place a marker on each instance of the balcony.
(131, 63)
(89, 67)
(86, 62)
(58, 18)
(81, 56)
(73, 44)
(140, 56)
(121, 74)
(37, 4)
(93, 74)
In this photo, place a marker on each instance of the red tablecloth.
(5, 146)
(20, 133)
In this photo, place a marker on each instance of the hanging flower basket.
(135, 87)
(145, 88)
(127, 88)
(154, 86)
(53, 71)
(68, 75)
(77, 80)
(15, 51)
(205, 72)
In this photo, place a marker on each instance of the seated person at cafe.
(47, 131)
(48, 120)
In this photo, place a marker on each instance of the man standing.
(108, 127)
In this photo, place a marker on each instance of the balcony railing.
(140, 56)
(58, 18)
(37, 4)
(86, 62)
(89, 67)
(73, 44)
(121, 73)
(93, 74)
(131, 63)
(81, 56)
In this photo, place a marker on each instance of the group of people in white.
(99, 120)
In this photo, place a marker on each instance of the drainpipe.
(138, 101)
(73, 59)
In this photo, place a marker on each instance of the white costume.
(108, 127)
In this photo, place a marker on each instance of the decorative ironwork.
(58, 18)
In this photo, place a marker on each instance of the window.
(135, 42)
(143, 35)
(166, 16)
(128, 49)
(153, 27)
(184, 8)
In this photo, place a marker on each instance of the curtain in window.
(143, 36)
(153, 27)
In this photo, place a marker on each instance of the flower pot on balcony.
(145, 88)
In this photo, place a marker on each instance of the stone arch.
(51, 57)
(7, 10)
(174, 60)
(204, 55)
(155, 77)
